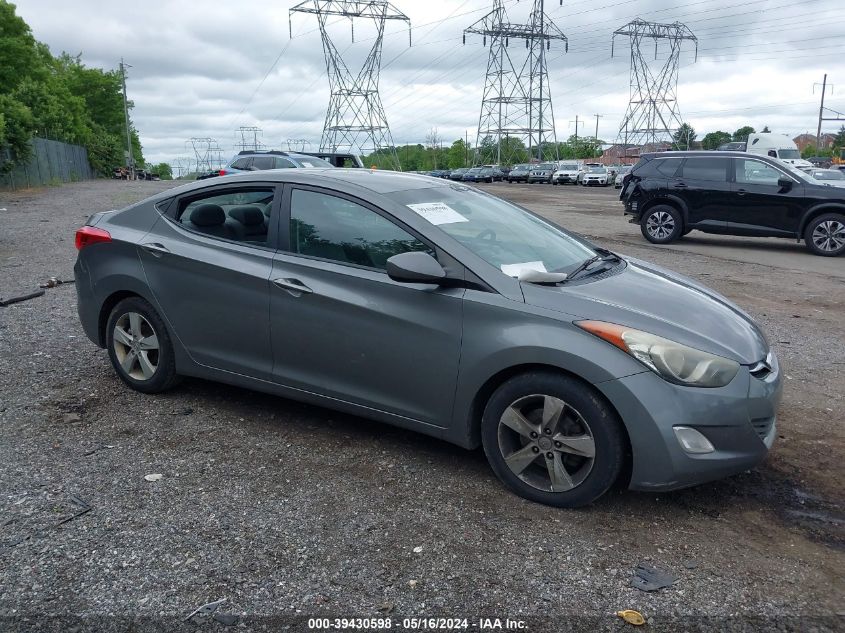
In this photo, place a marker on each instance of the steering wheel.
(487, 234)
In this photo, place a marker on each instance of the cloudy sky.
(203, 69)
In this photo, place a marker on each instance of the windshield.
(790, 154)
(597, 170)
(568, 167)
(500, 233)
(545, 166)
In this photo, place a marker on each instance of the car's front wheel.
(661, 224)
(552, 439)
(825, 235)
(139, 346)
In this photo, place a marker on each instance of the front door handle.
(681, 185)
(741, 192)
(292, 286)
(156, 249)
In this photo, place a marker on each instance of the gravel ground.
(289, 511)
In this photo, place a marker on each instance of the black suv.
(732, 193)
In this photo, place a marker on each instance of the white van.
(777, 146)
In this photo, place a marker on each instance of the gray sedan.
(436, 307)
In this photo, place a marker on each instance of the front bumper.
(738, 419)
(565, 178)
(594, 181)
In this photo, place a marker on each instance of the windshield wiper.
(604, 255)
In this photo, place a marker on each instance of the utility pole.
(130, 160)
(821, 116)
(598, 116)
(577, 123)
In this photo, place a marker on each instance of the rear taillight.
(88, 235)
(222, 172)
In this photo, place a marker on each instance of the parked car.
(458, 174)
(247, 161)
(473, 175)
(672, 193)
(566, 173)
(440, 309)
(440, 173)
(519, 173)
(620, 176)
(832, 177)
(339, 159)
(820, 162)
(541, 173)
(593, 176)
(734, 146)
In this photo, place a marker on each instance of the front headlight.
(672, 361)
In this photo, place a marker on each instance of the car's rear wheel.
(661, 224)
(551, 439)
(825, 235)
(139, 346)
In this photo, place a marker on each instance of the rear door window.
(241, 163)
(658, 168)
(237, 215)
(706, 169)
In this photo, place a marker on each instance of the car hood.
(661, 302)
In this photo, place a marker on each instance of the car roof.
(699, 153)
(376, 181)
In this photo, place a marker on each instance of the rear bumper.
(86, 304)
(739, 420)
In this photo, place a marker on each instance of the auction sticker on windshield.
(515, 270)
(437, 213)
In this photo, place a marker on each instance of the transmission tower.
(247, 139)
(355, 118)
(298, 144)
(653, 116)
(517, 103)
(208, 155)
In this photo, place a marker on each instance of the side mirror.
(785, 183)
(415, 267)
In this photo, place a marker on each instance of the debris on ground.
(632, 617)
(650, 578)
(418, 549)
(52, 282)
(11, 300)
(71, 418)
(153, 477)
(101, 447)
(226, 619)
(386, 608)
(690, 564)
(205, 610)
(84, 509)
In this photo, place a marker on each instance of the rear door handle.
(292, 286)
(741, 192)
(156, 249)
(681, 185)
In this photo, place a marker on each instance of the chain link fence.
(52, 163)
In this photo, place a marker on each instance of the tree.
(713, 140)
(19, 52)
(458, 154)
(684, 137)
(766, 130)
(743, 133)
(162, 170)
(839, 141)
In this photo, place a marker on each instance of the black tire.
(590, 477)
(661, 224)
(164, 375)
(825, 235)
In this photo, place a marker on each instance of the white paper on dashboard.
(437, 213)
(514, 270)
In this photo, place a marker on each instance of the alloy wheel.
(829, 236)
(546, 443)
(136, 346)
(660, 225)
